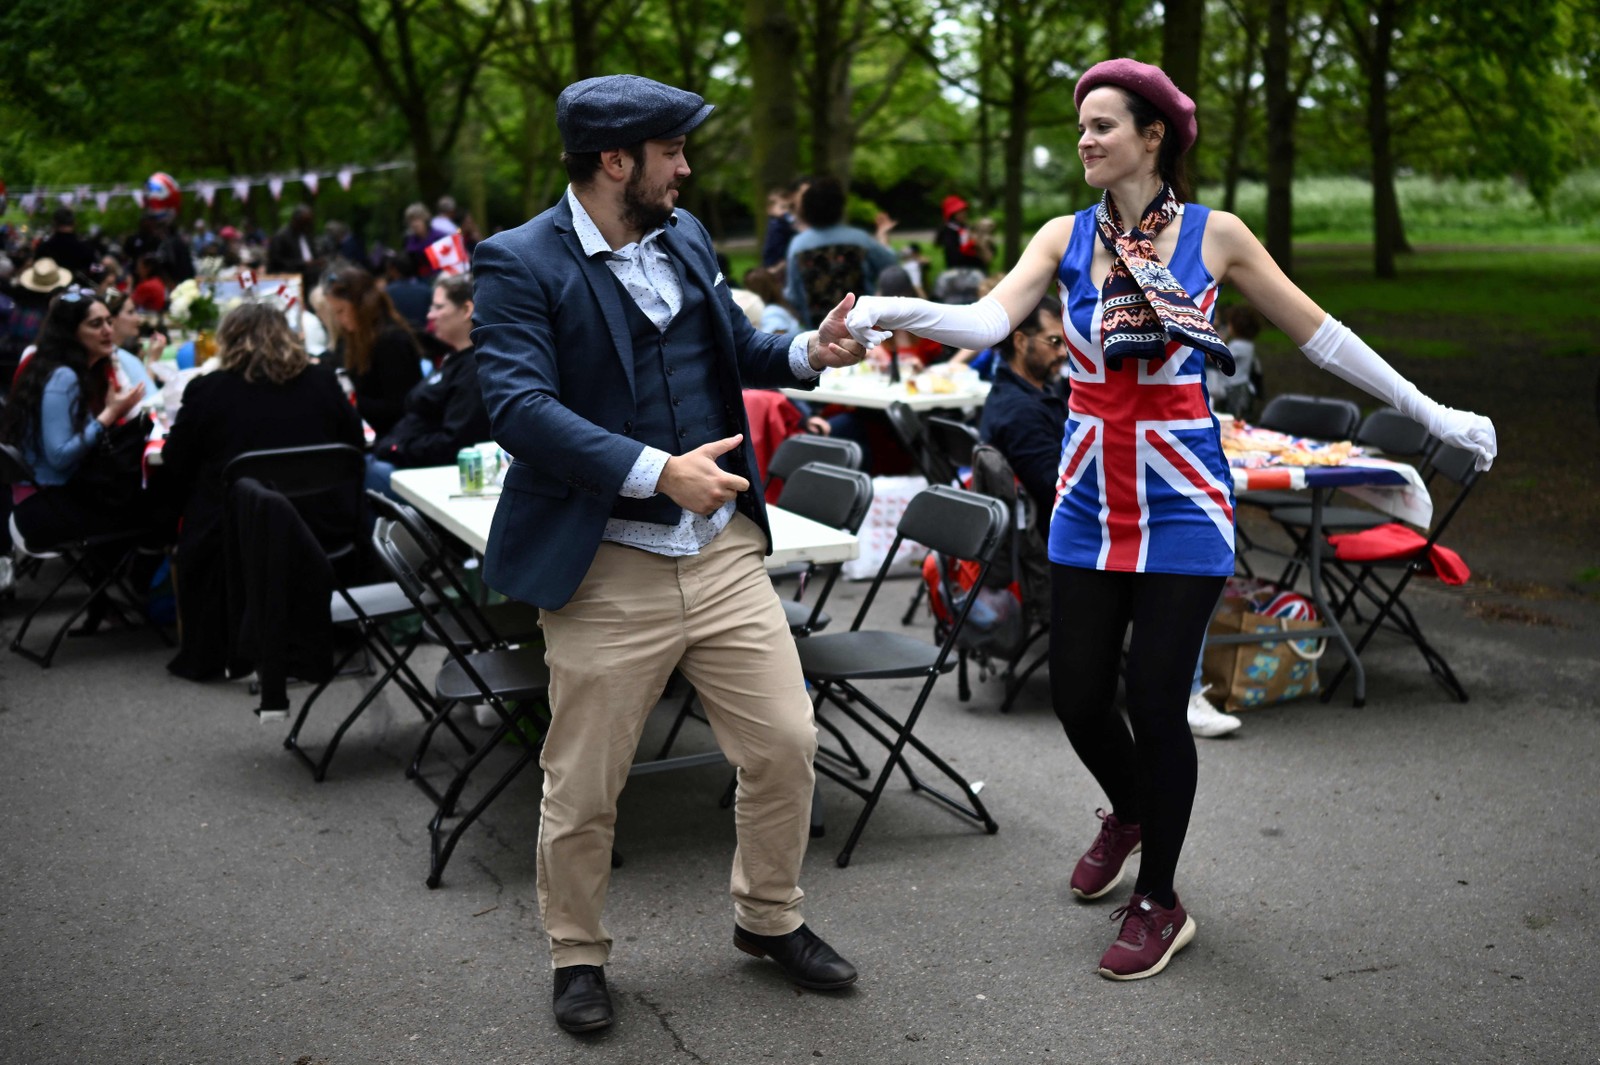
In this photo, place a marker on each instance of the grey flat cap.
(618, 110)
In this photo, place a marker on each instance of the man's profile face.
(652, 189)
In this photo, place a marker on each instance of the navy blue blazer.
(555, 364)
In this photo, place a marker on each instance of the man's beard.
(638, 212)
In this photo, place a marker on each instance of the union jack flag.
(1142, 463)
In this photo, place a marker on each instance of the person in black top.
(65, 246)
(410, 295)
(1026, 408)
(266, 393)
(444, 412)
(381, 354)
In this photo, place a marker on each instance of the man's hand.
(695, 482)
(833, 346)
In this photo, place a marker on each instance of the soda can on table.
(469, 463)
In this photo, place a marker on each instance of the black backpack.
(1026, 562)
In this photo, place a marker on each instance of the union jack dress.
(1142, 486)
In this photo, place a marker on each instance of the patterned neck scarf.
(1144, 306)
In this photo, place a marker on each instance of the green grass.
(1499, 211)
(1338, 210)
(1446, 301)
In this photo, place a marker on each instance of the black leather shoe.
(803, 957)
(581, 1000)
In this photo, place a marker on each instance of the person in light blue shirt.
(830, 258)
(63, 405)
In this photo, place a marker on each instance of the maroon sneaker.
(1151, 935)
(1101, 865)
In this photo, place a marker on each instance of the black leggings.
(1148, 774)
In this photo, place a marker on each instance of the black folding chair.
(513, 681)
(955, 523)
(1383, 582)
(797, 451)
(1025, 560)
(952, 441)
(365, 610)
(929, 462)
(1318, 417)
(1385, 430)
(832, 496)
(912, 432)
(472, 626)
(101, 561)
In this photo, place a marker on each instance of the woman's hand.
(154, 345)
(1466, 430)
(118, 404)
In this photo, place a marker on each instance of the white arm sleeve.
(976, 325)
(1334, 348)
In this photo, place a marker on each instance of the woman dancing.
(1142, 528)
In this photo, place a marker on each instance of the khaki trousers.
(636, 617)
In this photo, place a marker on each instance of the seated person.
(776, 314)
(265, 393)
(903, 355)
(73, 424)
(408, 292)
(986, 360)
(1026, 410)
(381, 353)
(1236, 395)
(443, 413)
(830, 258)
(134, 353)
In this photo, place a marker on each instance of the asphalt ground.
(1411, 881)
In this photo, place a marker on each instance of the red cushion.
(1396, 542)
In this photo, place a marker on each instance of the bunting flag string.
(102, 194)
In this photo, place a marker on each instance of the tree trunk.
(1281, 108)
(1243, 95)
(433, 180)
(585, 49)
(1016, 152)
(773, 40)
(1116, 30)
(1180, 43)
(985, 125)
(1388, 234)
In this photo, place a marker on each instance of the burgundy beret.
(1148, 81)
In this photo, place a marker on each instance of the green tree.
(426, 56)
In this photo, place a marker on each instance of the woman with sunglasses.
(1141, 533)
(63, 410)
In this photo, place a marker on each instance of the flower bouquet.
(193, 307)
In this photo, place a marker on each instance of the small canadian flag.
(448, 255)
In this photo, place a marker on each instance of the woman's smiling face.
(1110, 145)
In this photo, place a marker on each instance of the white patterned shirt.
(646, 271)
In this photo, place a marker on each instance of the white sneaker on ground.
(1206, 720)
(485, 716)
